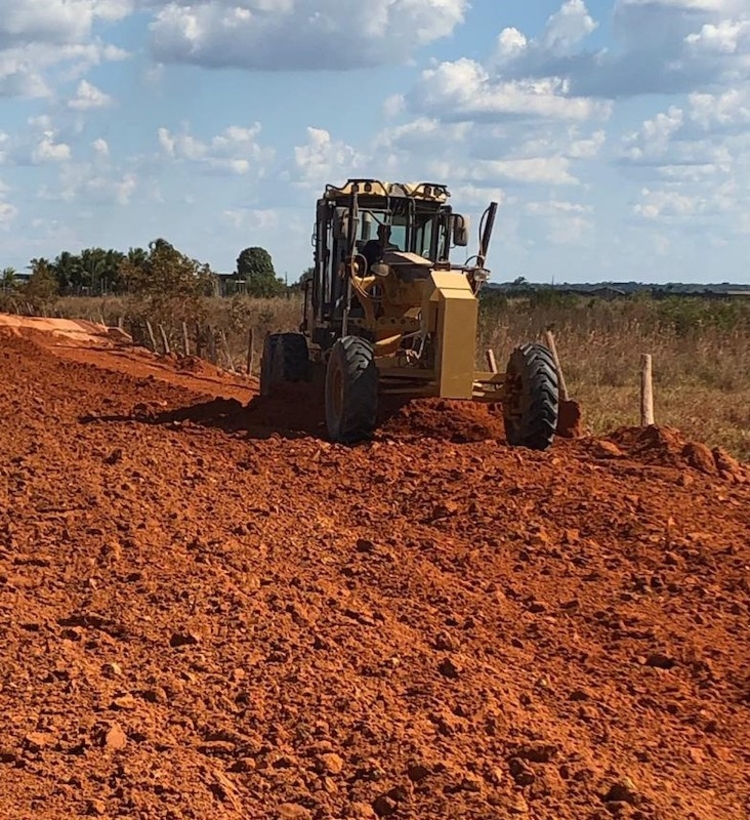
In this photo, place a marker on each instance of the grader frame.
(393, 315)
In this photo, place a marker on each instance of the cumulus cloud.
(27, 70)
(299, 34)
(707, 135)
(323, 159)
(8, 212)
(695, 159)
(88, 96)
(236, 150)
(421, 133)
(47, 150)
(38, 35)
(101, 148)
(662, 47)
(252, 219)
(465, 90)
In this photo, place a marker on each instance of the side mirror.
(460, 231)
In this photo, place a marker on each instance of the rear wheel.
(267, 369)
(291, 360)
(351, 391)
(285, 359)
(532, 398)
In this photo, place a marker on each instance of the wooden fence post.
(151, 335)
(164, 340)
(647, 391)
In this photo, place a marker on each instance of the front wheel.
(532, 398)
(351, 390)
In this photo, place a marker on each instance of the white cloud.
(468, 195)
(26, 70)
(536, 170)
(88, 96)
(657, 204)
(664, 47)
(235, 150)
(90, 183)
(706, 136)
(323, 159)
(418, 134)
(300, 34)
(697, 157)
(568, 27)
(100, 147)
(250, 219)
(47, 150)
(466, 90)
(38, 35)
(8, 212)
(554, 207)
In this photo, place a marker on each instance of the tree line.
(103, 272)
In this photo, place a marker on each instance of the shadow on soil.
(296, 413)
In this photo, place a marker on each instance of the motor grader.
(386, 312)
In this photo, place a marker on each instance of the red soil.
(210, 612)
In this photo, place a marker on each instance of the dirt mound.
(454, 421)
(203, 620)
(665, 446)
(71, 332)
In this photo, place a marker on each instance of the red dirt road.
(206, 611)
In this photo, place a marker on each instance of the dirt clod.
(622, 791)
(114, 739)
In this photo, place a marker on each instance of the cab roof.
(427, 191)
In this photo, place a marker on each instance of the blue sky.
(615, 134)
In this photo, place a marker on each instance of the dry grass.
(701, 352)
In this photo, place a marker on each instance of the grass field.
(701, 351)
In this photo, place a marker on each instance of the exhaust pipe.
(486, 233)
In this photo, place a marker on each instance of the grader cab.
(387, 312)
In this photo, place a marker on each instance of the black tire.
(531, 409)
(291, 361)
(351, 390)
(267, 365)
(285, 359)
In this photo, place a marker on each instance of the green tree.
(8, 280)
(42, 286)
(111, 278)
(255, 269)
(137, 257)
(172, 285)
(68, 272)
(94, 264)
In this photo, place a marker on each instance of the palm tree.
(8, 279)
(68, 271)
(93, 262)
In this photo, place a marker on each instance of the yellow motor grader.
(386, 312)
